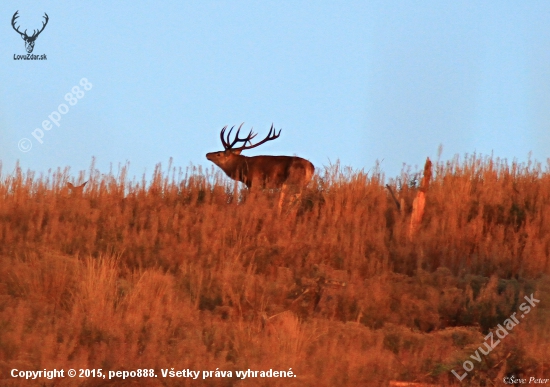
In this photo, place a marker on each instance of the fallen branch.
(394, 197)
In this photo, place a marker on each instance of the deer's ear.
(237, 152)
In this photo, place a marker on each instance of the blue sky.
(358, 81)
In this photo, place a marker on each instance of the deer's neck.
(238, 169)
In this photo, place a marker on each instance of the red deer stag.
(260, 171)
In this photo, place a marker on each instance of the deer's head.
(29, 40)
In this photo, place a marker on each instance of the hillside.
(180, 272)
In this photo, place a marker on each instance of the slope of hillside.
(184, 273)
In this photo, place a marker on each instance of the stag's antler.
(35, 32)
(46, 18)
(270, 136)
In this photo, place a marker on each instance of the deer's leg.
(236, 192)
(282, 198)
(297, 196)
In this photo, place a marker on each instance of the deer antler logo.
(29, 40)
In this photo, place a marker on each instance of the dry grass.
(180, 272)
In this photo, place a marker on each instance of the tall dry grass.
(182, 271)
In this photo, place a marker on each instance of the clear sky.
(357, 81)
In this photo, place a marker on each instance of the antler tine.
(13, 20)
(222, 138)
(221, 135)
(250, 136)
(229, 146)
(236, 136)
(274, 130)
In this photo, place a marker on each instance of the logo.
(29, 40)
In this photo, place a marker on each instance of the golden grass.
(183, 272)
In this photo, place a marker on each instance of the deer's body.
(264, 171)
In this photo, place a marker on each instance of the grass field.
(180, 271)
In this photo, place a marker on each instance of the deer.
(76, 190)
(29, 40)
(265, 172)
